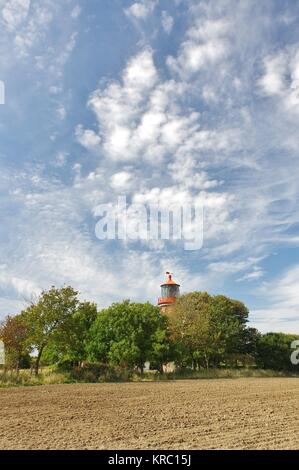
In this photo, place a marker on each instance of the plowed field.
(191, 414)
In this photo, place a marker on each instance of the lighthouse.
(170, 290)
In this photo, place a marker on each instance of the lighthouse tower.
(170, 290)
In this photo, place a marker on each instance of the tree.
(128, 334)
(50, 314)
(207, 329)
(14, 334)
(228, 328)
(249, 345)
(162, 349)
(274, 351)
(68, 343)
(189, 321)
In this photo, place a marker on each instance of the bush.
(93, 373)
(12, 379)
(274, 351)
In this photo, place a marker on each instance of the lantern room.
(170, 290)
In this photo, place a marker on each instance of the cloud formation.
(141, 10)
(195, 103)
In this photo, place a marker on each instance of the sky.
(163, 101)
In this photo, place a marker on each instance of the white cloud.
(10, 306)
(14, 13)
(274, 320)
(255, 274)
(54, 90)
(282, 296)
(117, 106)
(273, 80)
(167, 22)
(142, 117)
(218, 225)
(34, 29)
(235, 266)
(285, 289)
(76, 11)
(121, 180)
(209, 94)
(87, 138)
(281, 77)
(61, 112)
(206, 43)
(23, 286)
(185, 172)
(77, 167)
(141, 10)
(53, 249)
(60, 159)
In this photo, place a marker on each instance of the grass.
(230, 374)
(97, 374)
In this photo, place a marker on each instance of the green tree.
(228, 328)
(189, 323)
(128, 334)
(14, 334)
(68, 343)
(162, 349)
(51, 313)
(207, 329)
(274, 351)
(249, 344)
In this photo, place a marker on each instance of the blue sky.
(160, 100)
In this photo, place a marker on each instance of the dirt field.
(191, 414)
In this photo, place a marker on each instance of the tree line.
(200, 331)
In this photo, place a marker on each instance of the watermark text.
(137, 222)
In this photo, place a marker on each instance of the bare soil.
(251, 413)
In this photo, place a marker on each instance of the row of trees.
(200, 331)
